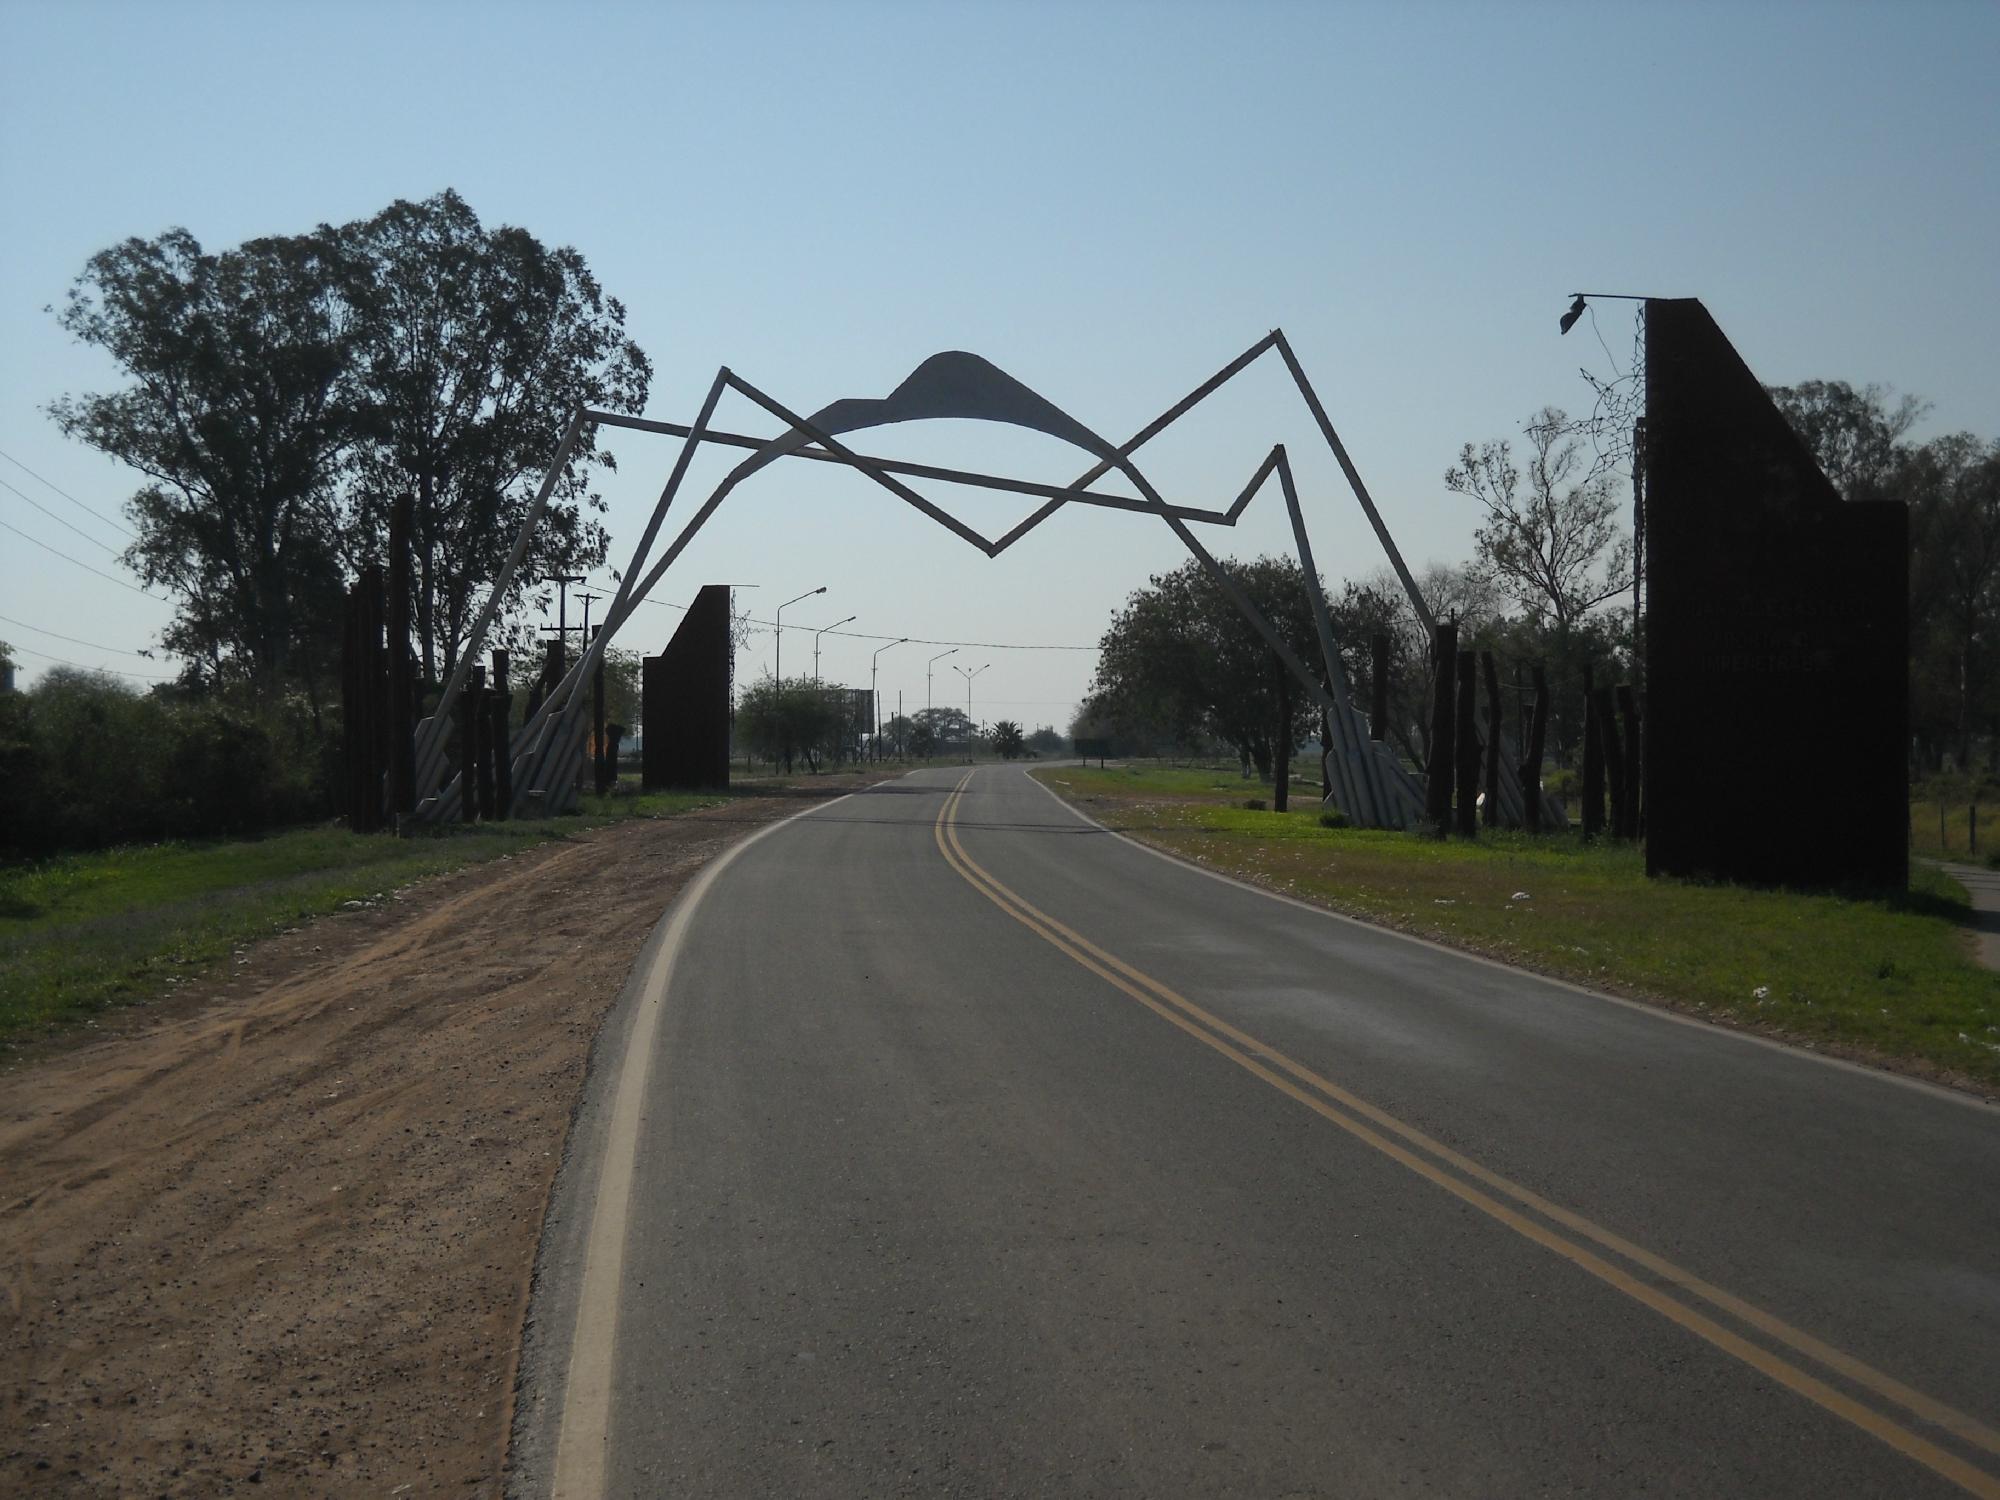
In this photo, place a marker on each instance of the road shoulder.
(286, 1236)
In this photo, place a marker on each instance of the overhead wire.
(66, 495)
(59, 520)
(81, 667)
(73, 640)
(914, 640)
(83, 565)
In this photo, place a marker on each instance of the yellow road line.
(1321, 1095)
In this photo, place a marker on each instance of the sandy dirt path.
(282, 1236)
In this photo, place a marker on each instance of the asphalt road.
(965, 1148)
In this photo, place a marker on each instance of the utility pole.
(562, 581)
(968, 676)
(874, 702)
(822, 631)
(779, 670)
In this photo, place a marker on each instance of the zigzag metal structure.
(1369, 781)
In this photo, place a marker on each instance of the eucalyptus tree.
(473, 347)
(239, 408)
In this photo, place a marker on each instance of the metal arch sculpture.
(1370, 783)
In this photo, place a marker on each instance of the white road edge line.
(1638, 1007)
(582, 1435)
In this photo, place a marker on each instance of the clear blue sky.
(1107, 200)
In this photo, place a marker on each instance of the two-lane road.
(949, 1145)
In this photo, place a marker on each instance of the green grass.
(87, 931)
(1892, 975)
(1957, 839)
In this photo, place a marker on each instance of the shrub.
(1255, 804)
(86, 762)
(1332, 817)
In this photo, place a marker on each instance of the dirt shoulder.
(284, 1236)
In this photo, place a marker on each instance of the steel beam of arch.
(1362, 795)
(1353, 474)
(970, 477)
(568, 692)
(535, 744)
(430, 748)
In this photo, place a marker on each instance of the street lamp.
(874, 701)
(929, 726)
(968, 676)
(781, 627)
(820, 632)
(927, 674)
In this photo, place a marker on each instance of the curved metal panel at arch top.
(954, 383)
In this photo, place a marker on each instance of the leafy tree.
(1952, 486)
(1856, 436)
(1046, 741)
(940, 729)
(781, 720)
(1550, 537)
(1008, 739)
(1179, 655)
(239, 408)
(474, 345)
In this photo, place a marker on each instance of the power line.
(59, 520)
(914, 640)
(114, 671)
(115, 650)
(83, 565)
(64, 493)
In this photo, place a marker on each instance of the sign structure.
(685, 693)
(1369, 783)
(1776, 636)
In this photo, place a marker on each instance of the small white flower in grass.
(1762, 992)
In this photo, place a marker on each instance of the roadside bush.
(86, 762)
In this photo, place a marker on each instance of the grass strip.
(82, 932)
(1889, 975)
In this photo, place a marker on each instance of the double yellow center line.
(1567, 1233)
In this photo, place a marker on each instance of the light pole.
(822, 631)
(780, 670)
(930, 728)
(874, 702)
(968, 676)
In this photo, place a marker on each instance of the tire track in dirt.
(284, 1235)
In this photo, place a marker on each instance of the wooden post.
(1531, 763)
(1281, 760)
(1632, 819)
(502, 704)
(1491, 809)
(1614, 756)
(1593, 763)
(1444, 737)
(1468, 744)
(605, 767)
(470, 716)
(1325, 754)
(491, 746)
(402, 673)
(1378, 687)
